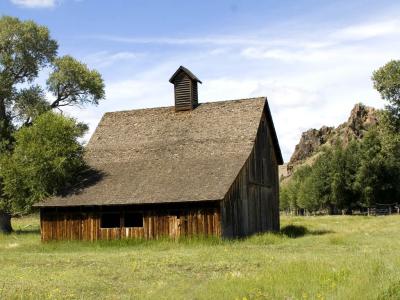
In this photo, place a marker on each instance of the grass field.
(331, 257)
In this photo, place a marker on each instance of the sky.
(312, 59)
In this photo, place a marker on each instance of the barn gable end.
(252, 203)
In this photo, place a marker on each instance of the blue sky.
(312, 59)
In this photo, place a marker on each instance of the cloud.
(286, 55)
(35, 3)
(327, 54)
(367, 30)
(323, 38)
(201, 40)
(346, 43)
(104, 59)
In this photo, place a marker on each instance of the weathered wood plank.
(252, 203)
(84, 224)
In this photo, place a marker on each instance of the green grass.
(330, 257)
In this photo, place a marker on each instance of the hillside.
(360, 120)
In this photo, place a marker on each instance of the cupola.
(185, 89)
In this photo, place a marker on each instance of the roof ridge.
(173, 107)
(185, 70)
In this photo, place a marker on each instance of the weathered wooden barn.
(190, 169)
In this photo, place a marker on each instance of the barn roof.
(157, 155)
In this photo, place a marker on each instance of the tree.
(387, 82)
(284, 198)
(25, 49)
(328, 183)
(46, 157)
(290, 196)
(72, 83)
(378, 175)
(358, 175)
(320, 181)
(343, 166)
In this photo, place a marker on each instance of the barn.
(189, 169)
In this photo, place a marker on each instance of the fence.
(379, 209)
(384, 209)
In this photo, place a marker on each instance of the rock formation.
(310, 142)
(361, 118)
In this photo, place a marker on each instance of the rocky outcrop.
(361, 119)
(310, 142)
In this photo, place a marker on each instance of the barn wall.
(83, 223)
(252, 203)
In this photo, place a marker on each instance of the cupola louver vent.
(185, 88)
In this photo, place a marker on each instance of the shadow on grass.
(296, 231)
(27, 231)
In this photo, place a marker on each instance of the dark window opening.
(133, 220)
(176, 213)
(110, 220)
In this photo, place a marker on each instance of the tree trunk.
(2, 118)
(2, 109)
(4, 125)
(5, 222)
(5, 218)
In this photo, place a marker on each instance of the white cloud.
(346, 43)
(367, 30)
(323, 38)
(226, 40)
(35, 3)
(104, 58)
(286, 55)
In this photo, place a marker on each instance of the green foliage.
(344, 178)
(46, 157)
(39, 150)
(25, 47)
(30, 103)
(72, 83)
(387, 82)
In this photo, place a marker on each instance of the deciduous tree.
(26, 48)
(46, 158)
(387, 82)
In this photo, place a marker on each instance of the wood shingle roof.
(158, 155)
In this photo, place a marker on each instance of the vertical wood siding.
(195, 94)
(252, 203)
(81, 224)
(184, 93)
